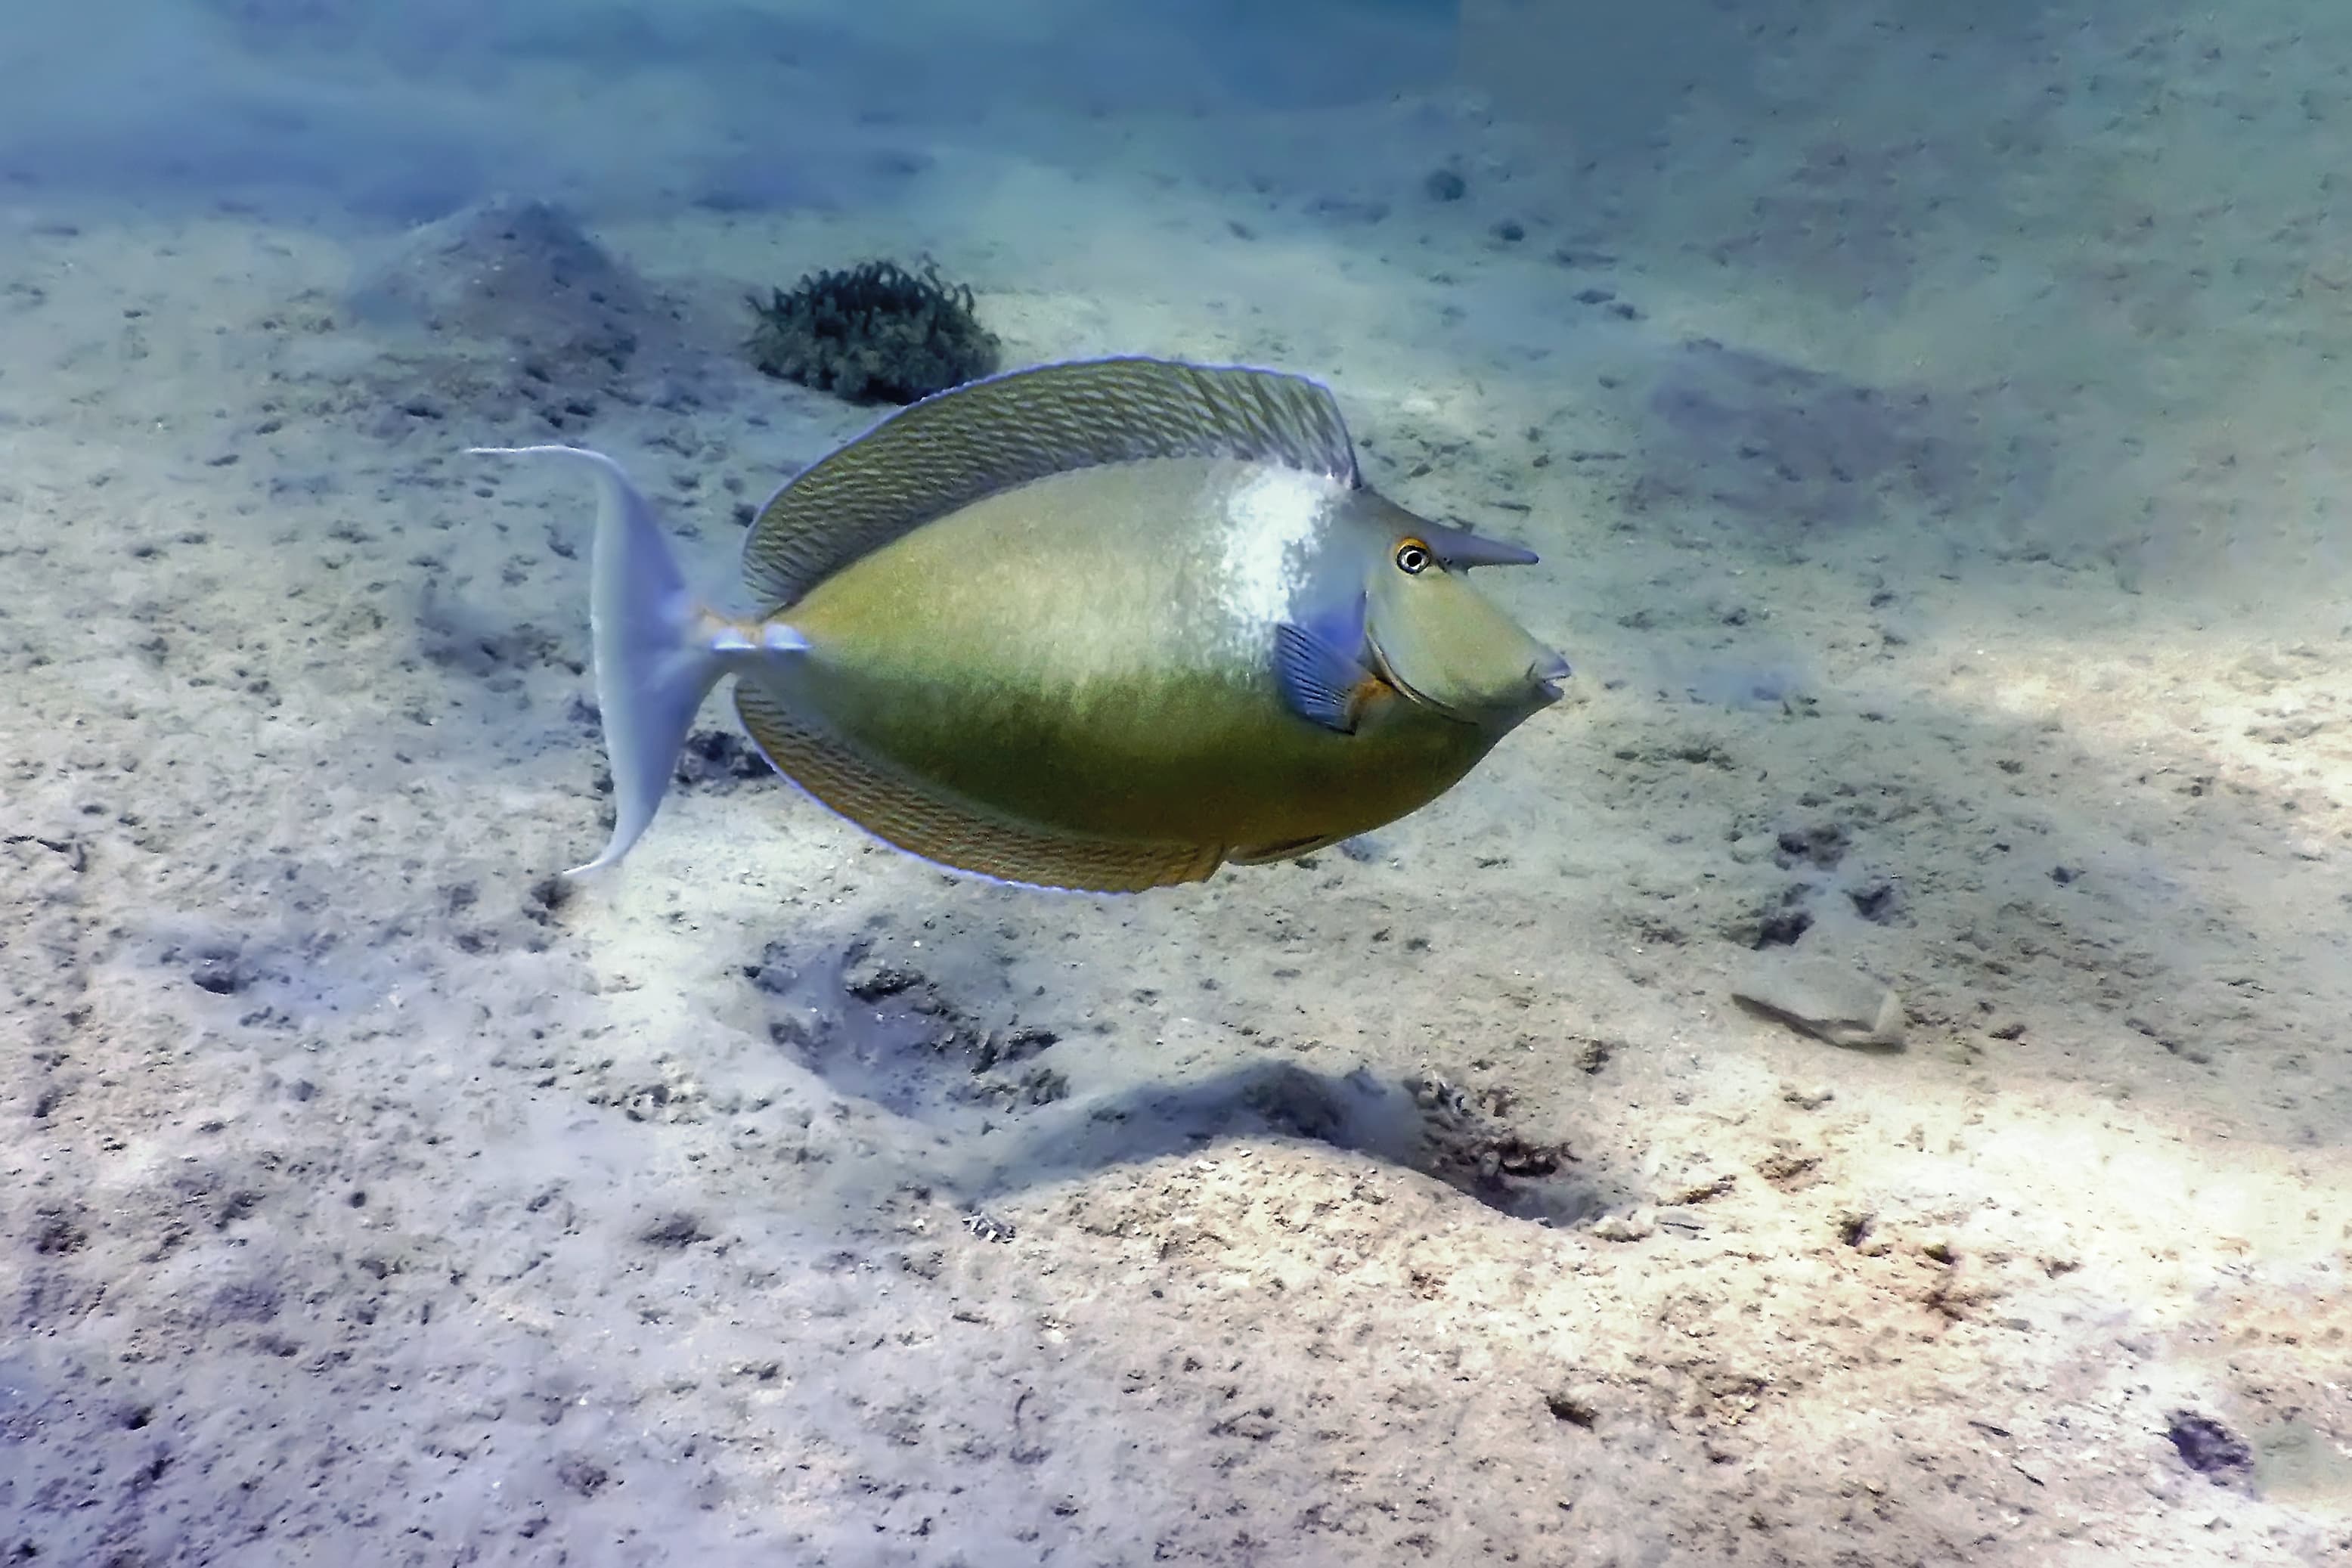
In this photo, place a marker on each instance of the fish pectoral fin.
(1321, 683)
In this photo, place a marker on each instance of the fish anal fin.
(1261, 854)
(944, 832)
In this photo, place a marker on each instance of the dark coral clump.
(873, 333)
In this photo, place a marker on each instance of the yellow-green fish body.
(1135, 696)
(1102, 625)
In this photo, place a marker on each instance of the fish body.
(1103, 626)
(1136, 695)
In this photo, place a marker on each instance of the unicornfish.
(1101, 625)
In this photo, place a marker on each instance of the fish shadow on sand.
(1416, 1123)
(1014, 1107)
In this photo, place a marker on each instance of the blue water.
(409, 110)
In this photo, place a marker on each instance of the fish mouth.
(1545, 675)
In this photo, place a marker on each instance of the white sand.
(1981, 595)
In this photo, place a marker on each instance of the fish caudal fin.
(658, 651)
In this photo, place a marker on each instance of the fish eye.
(1412, 558)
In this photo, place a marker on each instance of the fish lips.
(1544, 676)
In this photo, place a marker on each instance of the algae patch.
(872, 333)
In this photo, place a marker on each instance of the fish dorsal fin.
(946, 834)
(935, 456)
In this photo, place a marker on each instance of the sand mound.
(508, 307)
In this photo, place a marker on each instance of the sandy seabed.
(1938, 485)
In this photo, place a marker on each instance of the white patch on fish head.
(1274, 519)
